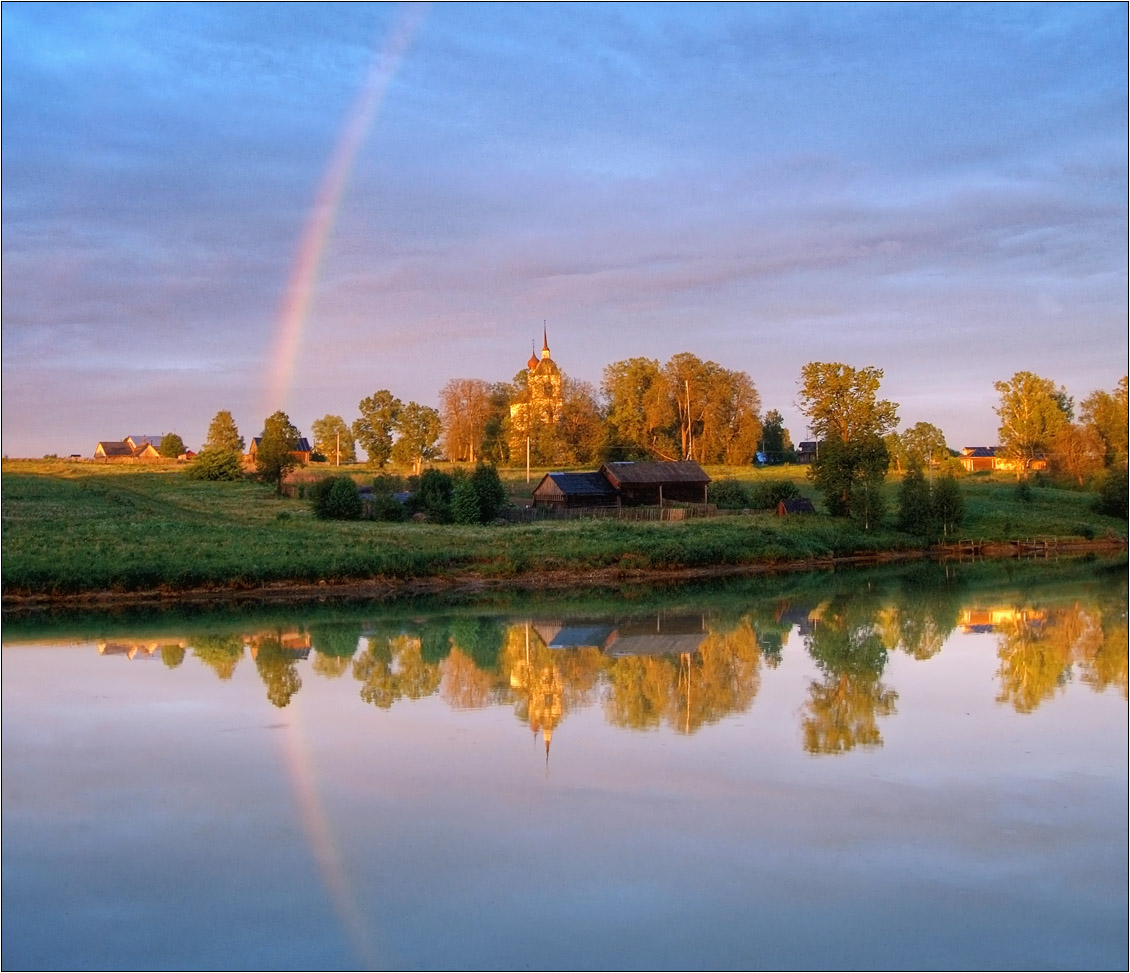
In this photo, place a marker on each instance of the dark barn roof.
(796, 505)
(654, 474)
(579, 484)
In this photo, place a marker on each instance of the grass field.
(72, 528)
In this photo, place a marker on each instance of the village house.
(625, 485)
(130, 448)
(980, 459)
(302, 453)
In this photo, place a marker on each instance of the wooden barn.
(795, 505)
(654, 484)
(572, 490)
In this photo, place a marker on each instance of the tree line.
(690, 409)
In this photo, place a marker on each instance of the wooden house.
(977, 459)
(126, 449)
(807, 452)
(302, 453)
(572, 490)
(654, 484)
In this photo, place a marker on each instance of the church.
(540, 408)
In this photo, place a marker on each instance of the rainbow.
(319, 226)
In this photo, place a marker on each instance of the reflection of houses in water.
(139, 650)
(981, 620)
(294, 644)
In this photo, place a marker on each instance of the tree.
(850, 476)
(776, 444)
(223, 434)
(1106, 413)
(924, 445)
(639, 412)
(948, 504)
(465, 407)
(840, 401)
(275, 454)
(1032, 413)
(171, 446)
(490, 494)
(333, 439)
(1077, 451)
(374, 429)
(579, 434)
(915, 510)
(849, 421)
(419, 428)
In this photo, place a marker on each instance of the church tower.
(539, 409)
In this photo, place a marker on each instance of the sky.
(260, 207)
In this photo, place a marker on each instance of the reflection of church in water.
(537, 679)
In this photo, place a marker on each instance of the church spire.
(544, 340)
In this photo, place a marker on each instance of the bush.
(335, 498)
(915, 510)
(1113, 494)
(431, 495)
(465, 503)
(729, 495)
(766, 495)
(216, 464)
(490, 494)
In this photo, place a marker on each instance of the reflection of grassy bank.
(88, 529)
(726, 599)
(682, 657)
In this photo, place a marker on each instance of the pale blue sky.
(936, 190)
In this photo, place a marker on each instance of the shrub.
(766, 495)
(915, 511)
(1113, 494)
(431, 495)
(216, 464)
(387, 508)
(490, 494)
(465, 503)
(729, 495)
(335, 498)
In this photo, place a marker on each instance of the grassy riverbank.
(70, 529)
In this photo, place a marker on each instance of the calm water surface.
(871, 771)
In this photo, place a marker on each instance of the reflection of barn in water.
(663, 634)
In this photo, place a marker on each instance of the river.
(919, 768)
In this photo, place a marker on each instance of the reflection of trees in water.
(923, 611)
(393, 668)
(336, 638)
(330, 666)
(172, 655)
(1038, 649)
(463, 684)
(277, 668)
(220, 653)
(690, 690)
(843, 710)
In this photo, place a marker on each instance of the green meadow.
(78, 528)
